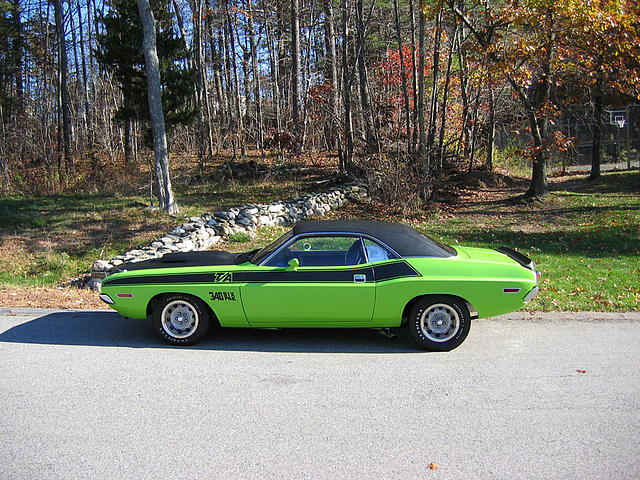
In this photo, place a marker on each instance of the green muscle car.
(337, 273)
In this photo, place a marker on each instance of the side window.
(321, 251)
(375, 252)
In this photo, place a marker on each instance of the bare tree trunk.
(17, 47)
(166, 199)
(230, 111)
(371, 136)
(281, 55)
(295, 80)
(3, 152)
(445, 97)
(90, 92)
(403, 74)
(491, 129)
(539, 185)
(414, 66)
(539, 93)
(256, 76)
(346, 89)
(63, 95)
(275, 83)
(207, 107)
(77, 100)
(306, 68)
(214, 60)
(597, 105)
(205, 80)
(423, 158)
(196, 7)
(128, 149)
(85, 87)
(246, 81)
(135, 141)
(180, 22)
(60, 123)
(463, 139)
(332, 76)
(433, 109)
(231, 52)
(474, 130)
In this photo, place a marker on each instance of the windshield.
(265, 251)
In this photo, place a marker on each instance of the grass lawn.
(584, 237)
(45, 240)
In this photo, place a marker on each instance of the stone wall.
(202, 233)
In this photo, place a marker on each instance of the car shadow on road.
(109, 329)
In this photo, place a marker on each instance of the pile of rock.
(201, 233)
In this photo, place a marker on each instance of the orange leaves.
(391, 67)
(433, 466)
(562, 142)
(320, 93)
(580, 370)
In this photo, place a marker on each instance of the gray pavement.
(605, 167)
(88, 394)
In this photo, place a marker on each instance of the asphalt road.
(92, 395)
(604, 167)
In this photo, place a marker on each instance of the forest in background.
(400, 92)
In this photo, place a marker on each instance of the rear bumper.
(531, 295)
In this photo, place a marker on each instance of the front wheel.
(181, 319)
(439, 323)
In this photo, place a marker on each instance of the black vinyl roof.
(406, 241)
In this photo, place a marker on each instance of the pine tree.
(120, 51)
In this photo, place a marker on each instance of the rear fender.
(473, 313)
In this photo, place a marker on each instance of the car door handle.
(359, 278)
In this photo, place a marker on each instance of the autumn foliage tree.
(602, 52)
(428, 86)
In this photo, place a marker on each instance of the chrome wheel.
(179, 319)
(440, 322)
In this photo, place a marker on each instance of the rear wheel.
(181, 319)
(439, 323)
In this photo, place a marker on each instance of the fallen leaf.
(433, 466)
(581, 370)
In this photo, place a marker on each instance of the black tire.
(176, 309)
(439, 323)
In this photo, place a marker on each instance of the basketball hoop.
(620, 123)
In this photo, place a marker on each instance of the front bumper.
(106, 299)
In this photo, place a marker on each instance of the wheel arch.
(473, 313)
(154, 300)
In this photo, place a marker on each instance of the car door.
(331, 287)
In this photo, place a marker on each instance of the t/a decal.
(222, 277)
(229, 296)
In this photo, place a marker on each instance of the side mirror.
(294, 263)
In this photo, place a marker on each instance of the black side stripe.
(162, 279)
(379, 273)
(389, 271)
